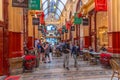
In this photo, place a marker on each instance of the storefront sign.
(34, 4)
(68, 24)
(66, 31)
(101, 5)
(77, 20)
(63, 28)
(85, 22)
(35, 21)
(72, 28)
(20, 3)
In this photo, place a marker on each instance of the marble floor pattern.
(55, 71)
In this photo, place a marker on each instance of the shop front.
(4, 65)
(98, 24)
(102, 29)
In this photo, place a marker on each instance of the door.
(1, 50)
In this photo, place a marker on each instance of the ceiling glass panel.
(53, 5)
(56, 16)
(46, 11)
(60, 6)
(58, 12)
(43, 1)
(64, 1)
(46, 16)
(45, 5)
(53, 0)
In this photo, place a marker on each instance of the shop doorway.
(4, 63)
(102, 36)
(1, 50)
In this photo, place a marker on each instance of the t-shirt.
(74, 50)
(65, 47)
(38, 46)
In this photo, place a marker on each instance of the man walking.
(66, 55)
(74, 53)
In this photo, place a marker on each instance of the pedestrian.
(66, 50)
(47, 51)
(75, 54)
(50, 52)
(39, 49)
(103, 48)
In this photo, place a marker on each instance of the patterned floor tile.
(55, 71)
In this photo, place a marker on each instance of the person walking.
(75, 54)
(40, 51)
(50, 53)
(47, 51)
(66, 50)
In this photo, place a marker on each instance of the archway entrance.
(53, 36)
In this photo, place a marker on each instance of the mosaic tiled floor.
(55, 71)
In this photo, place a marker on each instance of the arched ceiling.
(53, 6)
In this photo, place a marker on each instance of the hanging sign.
(60, 30)
(79, 15)
(72, 28)
(34, 4)
(77, 20)
(41, 16)
(68, 24)
(66, 31)
(35, 21)
(100, 5)
(63, 28)
(20, 3)
(85, 22)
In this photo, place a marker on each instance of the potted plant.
(104, 59)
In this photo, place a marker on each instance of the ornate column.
(114, 26)
(15, 31)
(30, 43)
(15, 38)
(4, 60)
(86, 36)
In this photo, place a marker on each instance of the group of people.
(74, 50)
(45, 52)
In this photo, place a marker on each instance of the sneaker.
(67, 68)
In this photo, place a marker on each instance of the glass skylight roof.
(53, 6)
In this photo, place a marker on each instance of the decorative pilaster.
(114, 26)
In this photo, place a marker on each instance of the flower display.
(104, 59)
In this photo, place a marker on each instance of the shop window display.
(102, 29)
(103, 37)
